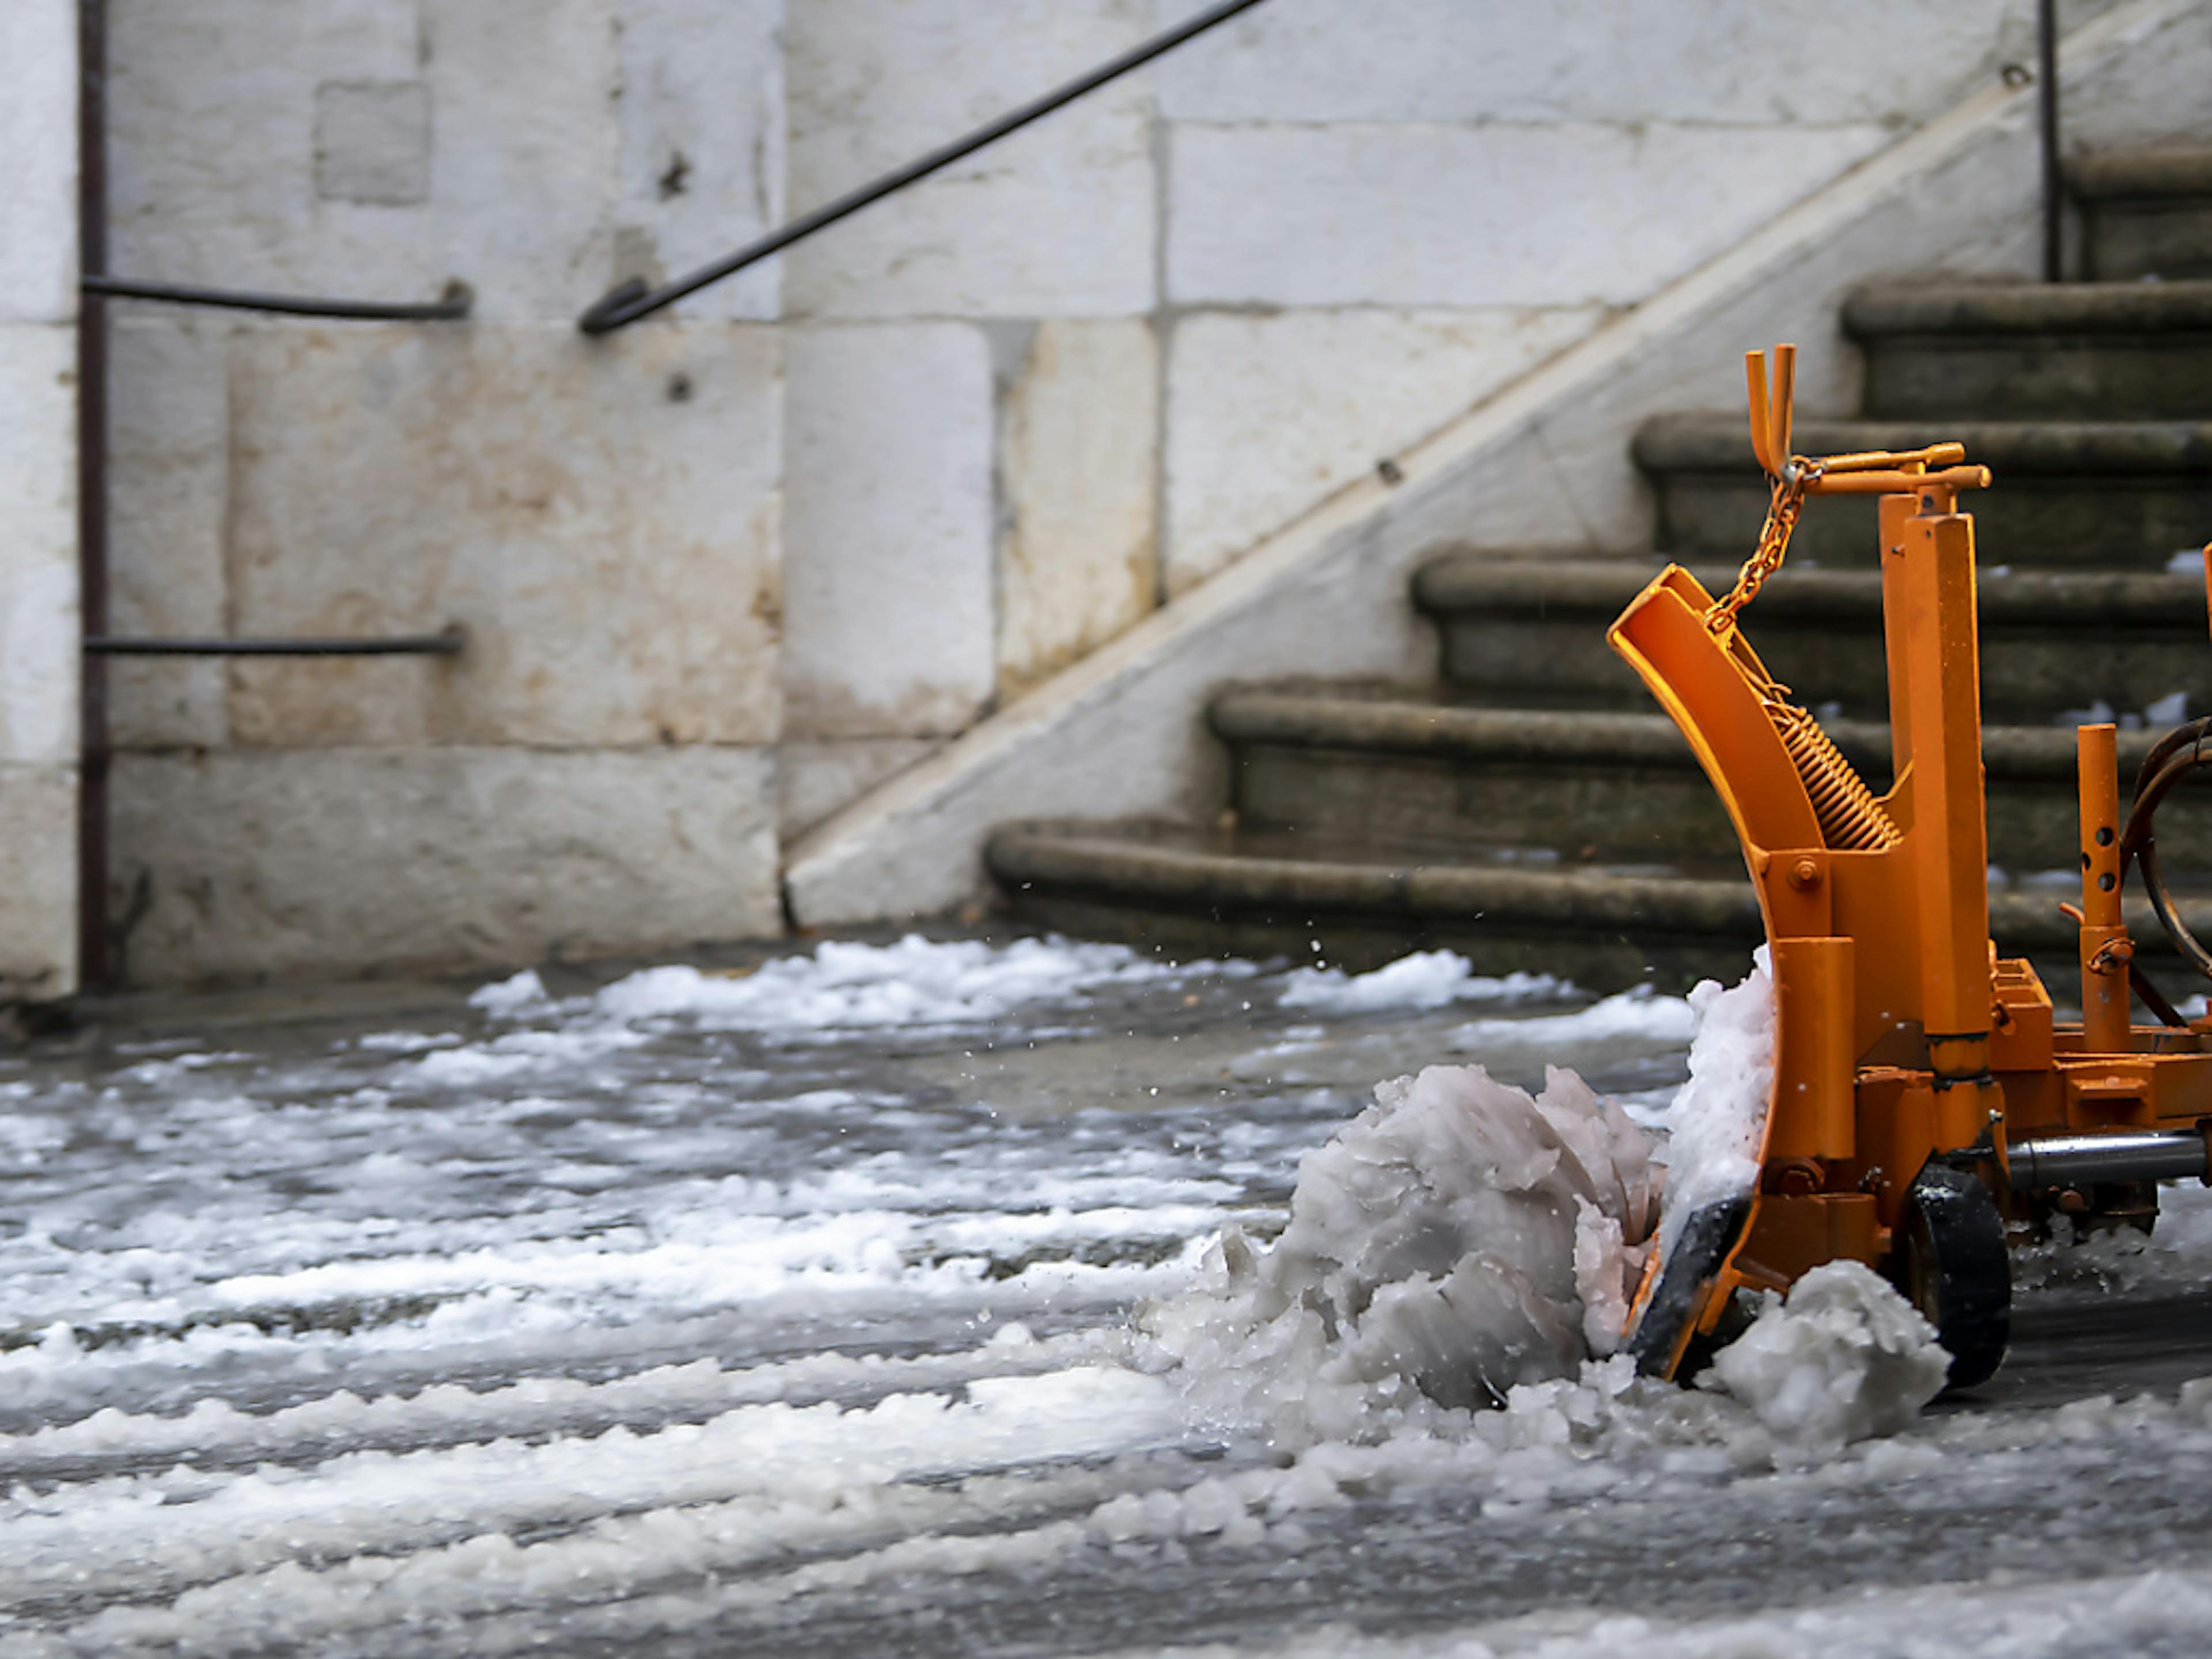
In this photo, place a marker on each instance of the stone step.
(1601, 926)
(2120, 494)
(2072, 351)
(1517, 628)
(2147, 212)
(1439, 781)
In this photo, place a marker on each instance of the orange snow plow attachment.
(1923, 1095)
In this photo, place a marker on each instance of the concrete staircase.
(1532, 808)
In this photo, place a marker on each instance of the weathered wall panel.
(888, 531)
(595, 772)
(255, 864)
(39, 622)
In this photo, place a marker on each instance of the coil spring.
(1850, 819)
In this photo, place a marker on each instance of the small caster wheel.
(1952, 1264)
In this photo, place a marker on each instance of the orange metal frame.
(1900, 1032)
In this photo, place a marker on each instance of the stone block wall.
(595, 773)
(39, 626)
(723, 572)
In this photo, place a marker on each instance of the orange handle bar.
(1892, 460)
(1898, 483)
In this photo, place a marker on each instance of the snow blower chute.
(1923, 1097)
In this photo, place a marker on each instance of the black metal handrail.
(627, 302)
(447, 642)
(452, 305)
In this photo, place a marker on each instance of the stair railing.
(627, 302)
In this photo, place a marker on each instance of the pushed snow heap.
(1846, 1357)
(1459, 1237)
(1716, 1126)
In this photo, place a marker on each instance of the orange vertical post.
(1814, 1098)
(1949, 837)
(1895, 512)
(2104, 945)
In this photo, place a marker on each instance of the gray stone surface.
(211, 145)
(1562, 786)
(2069, 351)
(372, 142)
(246, 866)
(888, 531)
(38, 617)
(814, 780)
(1416, 215)
(2126, 494)
(1272, 410)
(37, 135)
(168, 496)
(2145, 213)
(2128, 240)
(38, 544)
(525, 140)
(700, 156)
(1079, 551)
(603, 521)
(1737, 63)
(1058, 221)
(38, 882)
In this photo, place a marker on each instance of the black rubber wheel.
(1952, 1264)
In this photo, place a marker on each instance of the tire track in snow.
(215, 1434)
(136, 1536)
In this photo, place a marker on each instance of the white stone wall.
(39, 624)
(731, 568)
(596, 772)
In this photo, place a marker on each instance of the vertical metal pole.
(92, 491)
(2054, 181)
(1950, 834)
(2105, 1010)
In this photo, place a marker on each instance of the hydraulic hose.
(2172, 758)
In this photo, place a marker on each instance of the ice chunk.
(504, 999)
(1440, 1251)
(1426, 979)
(1601, 1277)
(1843, 1359)
(1718, 1123)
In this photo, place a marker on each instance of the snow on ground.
(1426, 979)
(693, 1307)
(844, 985)
(2163, 1613)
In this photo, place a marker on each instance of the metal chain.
(1781, 510)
